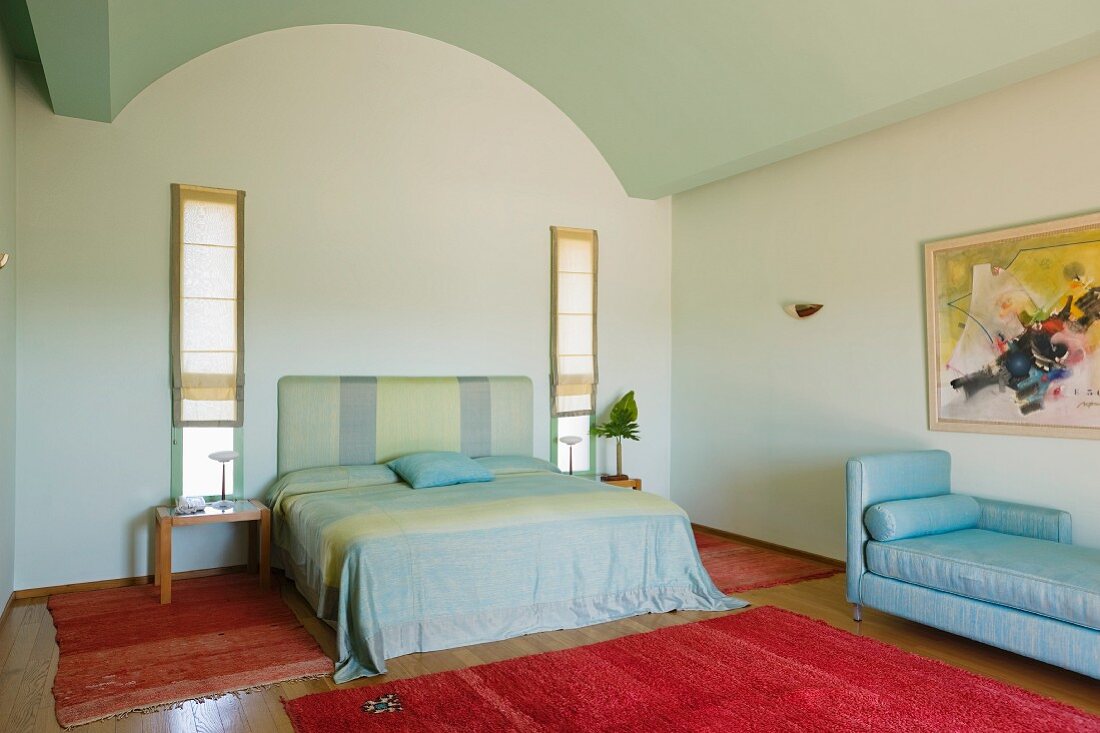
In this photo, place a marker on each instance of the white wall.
(399, 197)
(765, 409)
(7, 322)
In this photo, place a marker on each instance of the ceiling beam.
(16, 20)
(74, 45)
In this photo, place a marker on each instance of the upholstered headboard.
(351, 421)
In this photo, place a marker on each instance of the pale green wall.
(400, 193)
(765, 409)
(7, 321)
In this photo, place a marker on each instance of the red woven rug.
(121, 650)
(735, 567)
(761, 670)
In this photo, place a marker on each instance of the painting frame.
(1080, 228)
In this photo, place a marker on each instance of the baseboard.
(770, 546)
(55, 590)
(7, 609)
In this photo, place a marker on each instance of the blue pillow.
(504, 465)
(898, 520)
(440, 468)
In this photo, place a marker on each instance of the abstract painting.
(1014, 330)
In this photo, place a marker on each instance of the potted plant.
(622, 422)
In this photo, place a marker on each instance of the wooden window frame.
(175, 330)
(554, 377)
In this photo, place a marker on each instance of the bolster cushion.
(897, 520)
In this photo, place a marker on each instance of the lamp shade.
(570, 440)
(225, 456)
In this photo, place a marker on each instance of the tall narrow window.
(207, 333)
(574, 255)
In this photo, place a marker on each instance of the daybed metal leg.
(857, 612)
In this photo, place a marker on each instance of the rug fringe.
(178, 704)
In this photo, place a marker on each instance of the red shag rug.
(760, 670)
(122, 651)
(736, 567)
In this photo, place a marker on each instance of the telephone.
(190, 505)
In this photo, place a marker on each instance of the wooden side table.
(628, 483)
(259, 548)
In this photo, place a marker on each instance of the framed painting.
(1013, 327)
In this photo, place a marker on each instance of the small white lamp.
(223, 457)
(570, 440)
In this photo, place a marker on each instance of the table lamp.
(570, 440)
(223, 457)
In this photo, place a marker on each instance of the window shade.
(207, 327)
(574, 373)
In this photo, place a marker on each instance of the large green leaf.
(621, 420)
(625, 410)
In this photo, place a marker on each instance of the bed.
(397, 570)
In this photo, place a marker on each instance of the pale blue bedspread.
(398, 570)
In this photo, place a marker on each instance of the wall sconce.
(802, 310)
(4, 257)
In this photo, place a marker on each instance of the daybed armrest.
(1025, 520)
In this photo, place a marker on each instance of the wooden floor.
(28, 658)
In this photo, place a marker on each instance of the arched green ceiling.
(674, 93)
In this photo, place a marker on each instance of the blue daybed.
(1001, 573)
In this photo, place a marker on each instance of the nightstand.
(628, 483)
(259, 538)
